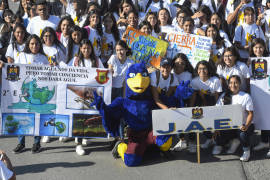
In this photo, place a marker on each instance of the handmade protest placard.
(196, 48)
(145, 48)
(52, 101)
(196, 119)
(260, 91)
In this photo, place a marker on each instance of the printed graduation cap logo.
(102, 76)
(259, 69)
(197, 113)
(13, 73)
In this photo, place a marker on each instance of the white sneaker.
(234, 145)
(86, 142)
(192, 148)
(246, 155)
(182, 144)
(261, 146)
(268, 154)
(76, 140)
(217, 150)
(207, 143)
(45, 139)
(64, 139)
(79, 150)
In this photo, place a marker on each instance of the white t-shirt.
(240, 17)
(241, 98)
(166, 29)
(119, 70)
(239, 69)
(36, 25)
(25, 58)
(217, 52)
(184, 76)
(95, 39)
(64, 40)
(108, 45)
(224, 35)
(55, 52)
(13, 53)
(245, 34)
(164, 84)
(211, 86)
(5, 173)
(87, 63)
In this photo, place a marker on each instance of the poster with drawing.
(46, 101)
(145, 48)
(196, 48)
(260, 91)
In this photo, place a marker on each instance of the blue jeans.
(22, 139)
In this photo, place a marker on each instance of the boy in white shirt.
(246, 32)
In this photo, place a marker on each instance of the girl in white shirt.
(164, 20)
(235, 96)
(230, 65)
(63, 28)
(17, 45)
(33, 52)
(151, 17)
(53, 49)
(111, 36)
(94, 29)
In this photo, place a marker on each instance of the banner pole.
(198, 148)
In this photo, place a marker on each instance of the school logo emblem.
(13, 73)
(259, 69)
(102, 76)
(197, 113)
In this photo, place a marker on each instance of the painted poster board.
(196, 119)
(52, 101)
(260, 92)
(145, 47)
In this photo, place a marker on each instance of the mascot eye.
(144, 74)
(131, 75)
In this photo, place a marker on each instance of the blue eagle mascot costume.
(136, 109)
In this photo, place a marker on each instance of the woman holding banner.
(234, 96)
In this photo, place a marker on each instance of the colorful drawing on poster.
(18, 124)
(80, 97)
(54, 125)
(86, 125)
(145, 48)
(13, 73)
(35, 98)
(259, 69)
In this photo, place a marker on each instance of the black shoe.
(36, 148)
(114, 150)
(18, 149)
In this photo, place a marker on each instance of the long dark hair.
(219, 40)
(68, 18)
(254, 43)
(115, 31)
(55, 41)
(227, 99)
(21, 11)
(99, 25)
(235, 53)
(93, 57)
(13, 38)
(124, 45)
(169, 19)
(156, 27)
(188, 66)
(27, 49)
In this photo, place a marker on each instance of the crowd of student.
(92, 34)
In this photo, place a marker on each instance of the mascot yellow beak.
(138, 83)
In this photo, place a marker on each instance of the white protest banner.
(196, 119)
(196, 48)
(52, 101)
(260, 92)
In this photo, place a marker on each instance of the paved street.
(59, 161)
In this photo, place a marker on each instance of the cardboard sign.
(196, 48)
(260, 91)
(52, 101)
(145, 48)
(197, 119)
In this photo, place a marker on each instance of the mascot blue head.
(138, 82)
